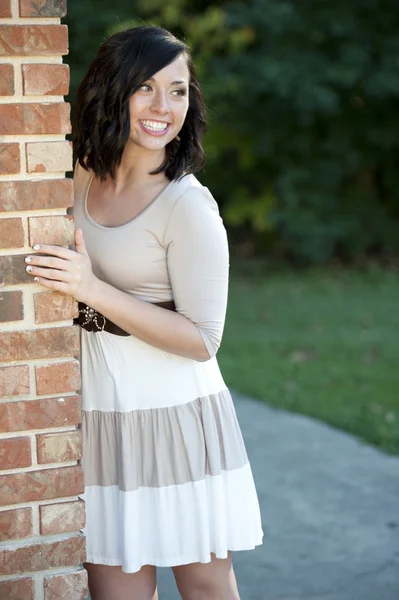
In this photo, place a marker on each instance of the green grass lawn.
(320, 343)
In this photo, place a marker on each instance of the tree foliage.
(303, 109)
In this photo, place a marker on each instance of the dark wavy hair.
(122, 64)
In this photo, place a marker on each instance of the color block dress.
(167, 477)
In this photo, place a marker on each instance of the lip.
(156, 133)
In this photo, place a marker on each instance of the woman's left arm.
(198, 266)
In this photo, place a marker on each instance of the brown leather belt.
(93, 321)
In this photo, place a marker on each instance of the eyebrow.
(178, 82)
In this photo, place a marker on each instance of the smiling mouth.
(155, 126)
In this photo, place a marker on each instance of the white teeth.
(154, 125)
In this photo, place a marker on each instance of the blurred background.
(302, 147)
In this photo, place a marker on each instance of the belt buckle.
(90, 319)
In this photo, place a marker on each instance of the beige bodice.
(176, 248)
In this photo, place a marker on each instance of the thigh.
(207, 581)
(111, 583)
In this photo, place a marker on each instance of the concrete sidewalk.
(330, 509)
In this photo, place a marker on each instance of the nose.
(160, 103)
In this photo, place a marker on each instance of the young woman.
(167, 478)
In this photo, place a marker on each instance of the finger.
(58, 251)
(52, 285)
(79, 242)
(49, 261)
(53, 274)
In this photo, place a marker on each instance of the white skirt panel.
(174, 525)
(124, 373)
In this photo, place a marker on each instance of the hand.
(66, 271)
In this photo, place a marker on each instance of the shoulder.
(195, 213)
(80, 176)
(190, 195)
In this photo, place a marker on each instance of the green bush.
(303, 109)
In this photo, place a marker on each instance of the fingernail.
(28, 258)
(29, 269)
(36, 247)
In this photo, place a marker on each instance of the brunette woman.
(167, 478)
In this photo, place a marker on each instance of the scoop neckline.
(108, 228)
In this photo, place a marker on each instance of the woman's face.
(159, 107)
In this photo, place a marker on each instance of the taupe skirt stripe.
(162, 446)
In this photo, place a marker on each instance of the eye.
(145, 87)
(180, 92)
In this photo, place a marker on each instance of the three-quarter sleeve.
(198, 263)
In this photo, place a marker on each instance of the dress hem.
(171, 562)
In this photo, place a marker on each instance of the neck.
(136, 166)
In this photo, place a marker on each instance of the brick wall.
(41, 545)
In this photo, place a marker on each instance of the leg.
(111, 583)
(210, 581)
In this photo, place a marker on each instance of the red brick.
(62, 517)
(58, 378)
(6, 80)
(34, 118)
(11, 308)
(15, 524)
(5, 13)
(15, 453)
(42, 8)
(9, 160)
(13, 270)
(33, 40)
(58, 447)
(66, 586)
(41, 80)
(54, 306)
(43, 556)
(41, 485)
(11, 233)
(34, 195)
(39, 343)
(39, 414)
(17, 589)
(49, 157)
(58, 230)
(14, 381)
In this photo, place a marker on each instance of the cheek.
(132, 111)
(136, 107)
(182, 113)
